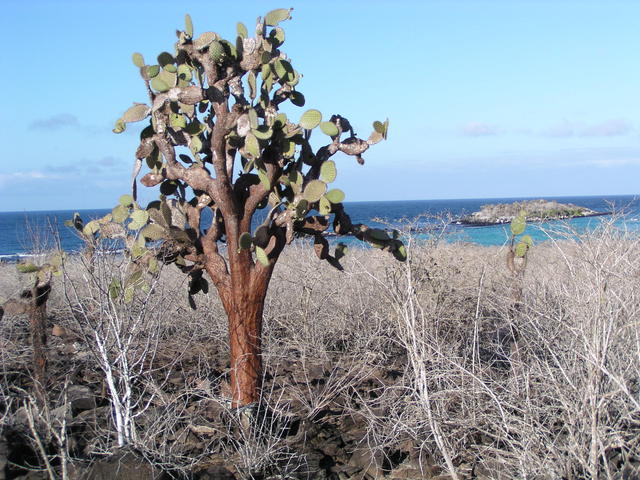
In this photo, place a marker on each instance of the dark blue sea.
(25, 233)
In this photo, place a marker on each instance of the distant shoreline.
(462, 223)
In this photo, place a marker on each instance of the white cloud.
(479, 129)
(607, 128)
(54, 122)
(6, 178)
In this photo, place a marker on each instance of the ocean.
(31, 232)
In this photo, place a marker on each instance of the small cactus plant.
(517, 255)
(33, 302)
(217, 141)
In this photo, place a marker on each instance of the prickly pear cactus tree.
(33, 302)
(519, 244)
(219, 148)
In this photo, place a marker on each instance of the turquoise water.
(18, 229)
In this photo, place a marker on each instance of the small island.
(537, 211)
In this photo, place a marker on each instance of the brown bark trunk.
(243, 301)
(245, 335)
(37, 319)
(38, 324)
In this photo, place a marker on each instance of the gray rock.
(216, 473)
(81, 398)
(4, 452)
(123, 465)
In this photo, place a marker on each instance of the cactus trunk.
(37, 319)
(245, 330)
(244, 304)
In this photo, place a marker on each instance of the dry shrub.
(545, 388)
(433, 358)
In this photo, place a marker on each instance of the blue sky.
(484, 98)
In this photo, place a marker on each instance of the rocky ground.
(428, 369)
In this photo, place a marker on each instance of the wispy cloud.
(479, 129)
(560, 130)
(608, 128)
(6, 178)
(55, 122)
(84, 166)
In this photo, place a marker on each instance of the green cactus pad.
(165, 58)
(195, 145)
(297, 99)
(119, 213)
(521, 249)
(518, 224)
(138, 60)
(242, 30)
(288, 149)
(126, 200)
(27, 268)
(152, 70)
(262, 257)
(129, 293)
(329, 128)
(188, 23)
(56, 259)
(137, 112)
(283, 69)
(251, 145)
(302, 208)
(527, 239)
(154, 267)
(263, 132)
(277, 36)
(274, 17)
(324, 206)
(264, 180)
(328, 171)
(294, 79)
(244, 242)
(400, 253)
(177, 121)
(314, 190)
(158, 84)
(295, 177)
(91, 228)
(139, 219)
(265, 71)
(195, 127)
(216, 51)
(310, 119)
(120, 126)
(335, 195)
(185, 75)
(378, 234)
(114, 289)
(253, 118)
(168, 77)
(153, 231)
